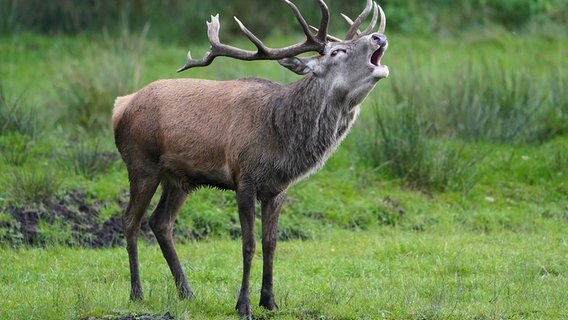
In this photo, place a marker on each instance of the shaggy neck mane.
(305, 117)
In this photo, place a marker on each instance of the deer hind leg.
(270, 213)
(162, 224)
(142, 187)
(246, 198)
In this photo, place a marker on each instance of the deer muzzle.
(379, 39)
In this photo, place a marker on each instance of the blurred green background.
(179, 21)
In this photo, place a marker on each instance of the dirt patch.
(144, 316)
(75, 221)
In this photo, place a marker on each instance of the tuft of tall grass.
(31, 185)
(15, 148)
(494, 104)
(16, 116)
(87, 159)
(555, 115)
(394, 142)
(559, 161)
(485, 101)
(89, 86)
(452, 168)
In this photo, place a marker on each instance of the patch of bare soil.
(144, 316)
(72, 220)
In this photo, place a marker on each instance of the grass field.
(448, 201)
(378, 274)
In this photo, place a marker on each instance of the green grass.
(87, 159)
(394, 141)
(31, 185)
(381, 273)
(457, 209)
(84, 86)
(15, 117)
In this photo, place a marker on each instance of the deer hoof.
(136, 295)
(186, 293)
(244, 310)
(267, 302)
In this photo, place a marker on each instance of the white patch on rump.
(119, 106)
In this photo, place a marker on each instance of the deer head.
(354, 61)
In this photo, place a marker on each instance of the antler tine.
(322, 32)
(312, 43)
(329, 37)
(213, 30)
(371, 25)
(213, 36)
(355, 26)
(257, 42)
(300, 19)
(357, 32)
(205, 61)
(383, 21)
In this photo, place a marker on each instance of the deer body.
(269, 133)
(253, 136)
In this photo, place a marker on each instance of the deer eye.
(335, 52)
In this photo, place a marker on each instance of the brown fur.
(180, 115)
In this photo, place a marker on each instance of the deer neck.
(309, 119)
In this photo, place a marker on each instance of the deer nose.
(379, 38)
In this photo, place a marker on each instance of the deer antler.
(383, 21)
(354, 30)
(312, 43)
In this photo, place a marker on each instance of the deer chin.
(380, 72)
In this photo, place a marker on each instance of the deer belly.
(189, 174)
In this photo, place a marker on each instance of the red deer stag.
(253, 136)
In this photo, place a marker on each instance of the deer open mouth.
(377, 55)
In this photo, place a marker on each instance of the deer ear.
(299, 66)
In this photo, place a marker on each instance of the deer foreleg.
(270, 214)
(246, 198)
